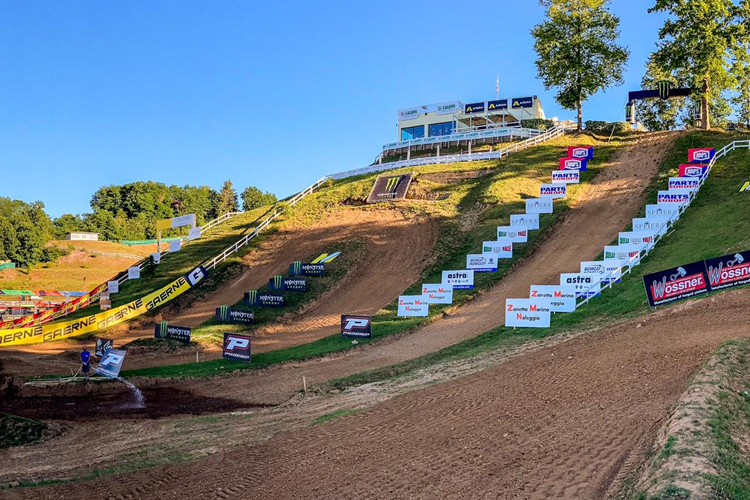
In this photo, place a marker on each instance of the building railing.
(460, 135)
(433, 160)
(628, 266)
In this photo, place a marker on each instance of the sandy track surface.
(561, 422)
(395, 248)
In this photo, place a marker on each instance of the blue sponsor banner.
(701, 155)
(475, 107)
(586, 152)
(497, 105)
(263, 299)
(164, 330)
(237, 347)
(297, 268)
(676, 283)
(523, 102)
(226, 314)
(282, 284)
(574, 164)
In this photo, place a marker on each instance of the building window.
(409, 133)
(445, 128)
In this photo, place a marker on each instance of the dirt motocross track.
(395, 248)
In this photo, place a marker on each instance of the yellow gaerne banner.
(73, 328)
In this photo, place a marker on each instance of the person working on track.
(85, 363)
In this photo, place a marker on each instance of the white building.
(79, 236)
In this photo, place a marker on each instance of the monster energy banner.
(389, 188)
(297, 268)
(226, 314)
(263, 299)
(164, 330)
(283, 284)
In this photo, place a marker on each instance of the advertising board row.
(697, 278)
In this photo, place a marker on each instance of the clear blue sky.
(273, 94)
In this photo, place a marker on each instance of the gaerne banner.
(539, 206)
(586, 152)
(94, 322)
(573, 164)
(728, 271)
(566, 176)
(527, 313)
(693, 170)
(560, 298)
(524, 221)
(701, 155)
(460, 280)
(676, 283)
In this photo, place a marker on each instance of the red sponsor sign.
(693, 170)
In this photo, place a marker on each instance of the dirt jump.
(395, 246)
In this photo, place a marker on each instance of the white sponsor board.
(175, 245)
(412, 305)
(673, 197)
(527, 313)
(503, 249)
(482, 262)
(512, 234)
(134, 273)
(113, 286)
(662, 211)
(593, 267)
(539, 206)
(194, 233)
(560, 298)
(524, 221)
(658, 224)
(638, 238)
(462, 279)
(689, 183)
(584, 283)
(566, 176)
(623, 253)
(408, 114)
(553, 190)
(612, 270)
(437, 294)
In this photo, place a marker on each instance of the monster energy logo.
(223, 313)
(297, 266)
(163, 329)
(392, 183)
(278, 282)
(252, 296)
(664, 89)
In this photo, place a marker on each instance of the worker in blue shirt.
(85, 363)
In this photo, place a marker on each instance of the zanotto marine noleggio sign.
(527, 313)
(105, 319)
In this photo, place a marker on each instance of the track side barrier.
(635, 260)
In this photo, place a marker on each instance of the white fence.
(434, 160)
(634, 261)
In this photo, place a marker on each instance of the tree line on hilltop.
(126, 212)
(702, 45)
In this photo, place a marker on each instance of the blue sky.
(275, 95)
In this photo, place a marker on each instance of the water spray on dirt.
(140, 400)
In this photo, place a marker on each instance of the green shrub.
(537, 123)
(603, 127)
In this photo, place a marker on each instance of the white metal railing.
(628, 266)
(465, 134)
(434, 160)
(278, 210)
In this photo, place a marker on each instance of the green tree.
(227, 198)
(659, 114)
(741, 71)
(577, 51)
(695, 46)
(25, 230)
(252, 197)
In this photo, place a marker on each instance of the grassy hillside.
(469, 213)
